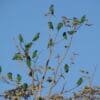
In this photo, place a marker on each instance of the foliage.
(41, 75)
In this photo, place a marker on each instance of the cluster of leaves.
(67, 27)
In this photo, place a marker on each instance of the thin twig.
(47, 61)
(59, 64)
(92, 77)
(70, 90)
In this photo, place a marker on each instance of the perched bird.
(59, 26)
(50, 43)
(36, 37)
(50, 25)
(83, 19)
(51, 9)
(71, 32)
(19, 78)
(25, 86)
(34, 54)
(64, 35)
(18, 56)
(9, 76)
(21, 38)
(66, 68)
(75, 22)
(80, 80)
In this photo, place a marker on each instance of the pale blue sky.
(27, 17)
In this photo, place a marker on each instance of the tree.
(48, 77)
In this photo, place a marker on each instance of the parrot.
(36, 37)
(71, 32)
(21, 38)
(19, 78)
(64, 35)
(59, 26)
(83, 19)
(51, 9)
(79, 82)
(66, 68)
(34, 54)
(28, 46)
(50, 43)
(50, 24)
(75, 22)
(9, 76)
(18, 56)
(25, 86)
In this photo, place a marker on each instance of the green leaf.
(9, 76)
(66, 68)
(59, 26)
(71, 32)
(50, 43)
(51, 9)
(36, 37)
(28, 46)
(21, 38)
(25, 86)
(80, 81)
(0, 69)
(18, 56)
(65, 35)
(28, 62)
(83, 19)
(50, 25)
(34, 54)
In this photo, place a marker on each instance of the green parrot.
(19, 78)
(34, 54)
(18, 56)
(50, 24)
(50, 43)
(28, 46)
(21, 38)
(64, 35)
(59, 26)
(71, 32)
(28, 62)
(36, 37)
(66, 68)
(9, 76)
(25, 86)
(75, 22)
(79, 82)
(51, 9)
(83, 19)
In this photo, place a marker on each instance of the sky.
(27, 17)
